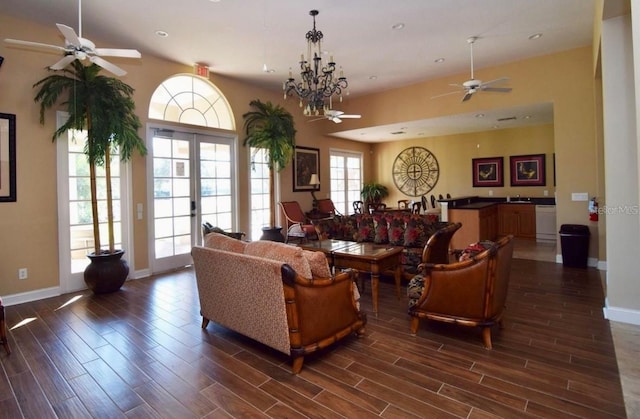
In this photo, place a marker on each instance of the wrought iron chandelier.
(318, 82)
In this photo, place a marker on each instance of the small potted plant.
(373, 193)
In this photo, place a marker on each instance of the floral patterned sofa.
(412, 231)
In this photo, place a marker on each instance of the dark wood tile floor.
(141, 353)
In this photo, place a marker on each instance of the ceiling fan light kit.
(79, 48)
(474, 85)
(317, 79)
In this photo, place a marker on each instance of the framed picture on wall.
(7, 157)
(306, 162)
(488, 171)
(527, 170)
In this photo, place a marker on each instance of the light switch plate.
(579, 196)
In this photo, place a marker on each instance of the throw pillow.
(318, 264)
(396, 231)
(381, 230)
(474, 249)
(292, 255)
(222, 242)
(417, 232)
(366, 230)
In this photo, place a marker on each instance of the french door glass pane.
(260, 197)
(80, 216)
(346, 179)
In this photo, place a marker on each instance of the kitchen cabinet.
(517, 219)
(479, 222)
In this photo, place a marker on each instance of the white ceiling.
(237, 37)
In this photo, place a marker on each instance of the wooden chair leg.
(3, 332)
(486, 337)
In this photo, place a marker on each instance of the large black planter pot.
(273, 234)
(106, 272)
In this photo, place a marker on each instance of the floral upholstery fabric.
(410, 231)
(396, 230)
(381, 235)
(224, 242)
(291, 255)
(474, 249)
(366, 229)
(414, 290)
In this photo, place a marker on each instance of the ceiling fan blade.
(110, 52)
(350, 116)
(69, 35)
(318, 119)
(444, 94)
(467, 96)
(34, 44)
(496, 89)
(107, 65)
(336, 120)
(63, 62)
(500, 80)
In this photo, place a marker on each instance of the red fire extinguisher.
(593, 210)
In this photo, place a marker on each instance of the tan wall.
(565, 79)
(455, 153)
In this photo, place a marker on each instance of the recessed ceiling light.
(479, 115)
(535, 36)
(162, 34)
(373, 77)
(398, 26)
(439, 60)
(527, 117)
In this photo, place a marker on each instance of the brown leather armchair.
(469, 293)
(437, 248)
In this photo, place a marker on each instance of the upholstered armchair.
(298, 226)
(437, 249)
(470, 293)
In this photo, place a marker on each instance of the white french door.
(192, 181)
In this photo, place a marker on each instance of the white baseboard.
(142, 273)
(25, 297)
(593, 262)
(623, 315)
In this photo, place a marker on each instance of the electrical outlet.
(23, 273)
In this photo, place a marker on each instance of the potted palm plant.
(104, 107)
(271, 127)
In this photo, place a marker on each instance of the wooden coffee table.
(364, 257)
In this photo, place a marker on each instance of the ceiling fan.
(78, 48)
(473, 85)
(335, 116)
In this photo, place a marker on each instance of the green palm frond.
(271, 127)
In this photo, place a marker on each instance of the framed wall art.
(7, 157)
(306, 162)
(488, 171)
(527, 170)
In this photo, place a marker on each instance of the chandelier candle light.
(318, 82)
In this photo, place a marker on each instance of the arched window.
(191, 99)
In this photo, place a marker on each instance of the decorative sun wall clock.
(415, 171)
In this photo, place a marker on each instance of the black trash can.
(574, 239)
